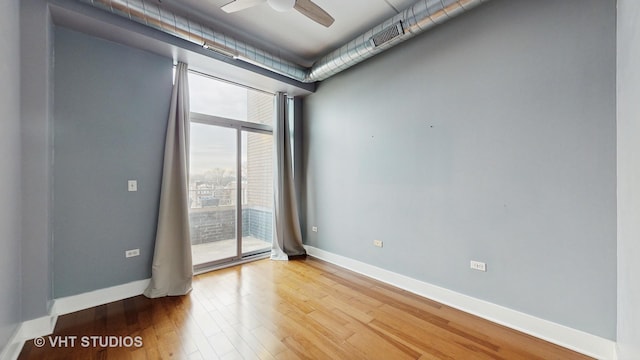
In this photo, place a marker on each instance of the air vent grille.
(387, 34)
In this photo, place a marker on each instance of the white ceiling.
(290, 34)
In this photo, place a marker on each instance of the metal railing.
(207, 197)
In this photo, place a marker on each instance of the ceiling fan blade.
(314, 12)
(238, 5)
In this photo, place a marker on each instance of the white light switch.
(132, 185)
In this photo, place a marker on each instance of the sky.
(214, 147)
(213, 97)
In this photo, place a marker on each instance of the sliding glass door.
(212, 193)
(257, 189)
(231, 174)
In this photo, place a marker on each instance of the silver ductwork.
(148, 12)
(419, 17)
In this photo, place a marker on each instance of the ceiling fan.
(306, 7)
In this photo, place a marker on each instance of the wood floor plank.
(247, 344)
(439, 337)
(287, 355)
(269, 341)
(303, 309)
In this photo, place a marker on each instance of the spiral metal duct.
(421, 16)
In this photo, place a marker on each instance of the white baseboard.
(45, 325)
(38, 327)
(12, 349)
(69, 304)
(27, 330)
(564, 336)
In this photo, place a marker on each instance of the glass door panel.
(257, 192)
(213, 193)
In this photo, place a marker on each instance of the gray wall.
(491, 138)
(36, 107)
(111, 108)
(10, 203)
(628, 179)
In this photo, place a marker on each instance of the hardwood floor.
(303, 309)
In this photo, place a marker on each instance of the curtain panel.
(172, 270)
(287, 240)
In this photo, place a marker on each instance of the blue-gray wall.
(10, 203)
(628, 179)
(111, 108)
(36, 112)
(490, 138)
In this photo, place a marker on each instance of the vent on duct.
(387, 34)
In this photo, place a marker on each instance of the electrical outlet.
(377, 243)
(477, 265)
(132, 185)
(314, 228)
(132, 253)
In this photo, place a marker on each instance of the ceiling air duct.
(417, 18)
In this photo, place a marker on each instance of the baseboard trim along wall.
(564, 336)
(45, 325)
(11, 351)
(69, 304)
(27, 330)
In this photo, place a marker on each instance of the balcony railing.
(204, 198)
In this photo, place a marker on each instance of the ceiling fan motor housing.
(281, 5)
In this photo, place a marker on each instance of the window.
(231, 148)
(222, 99)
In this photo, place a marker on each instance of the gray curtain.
(172, 269)
(287, 239)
